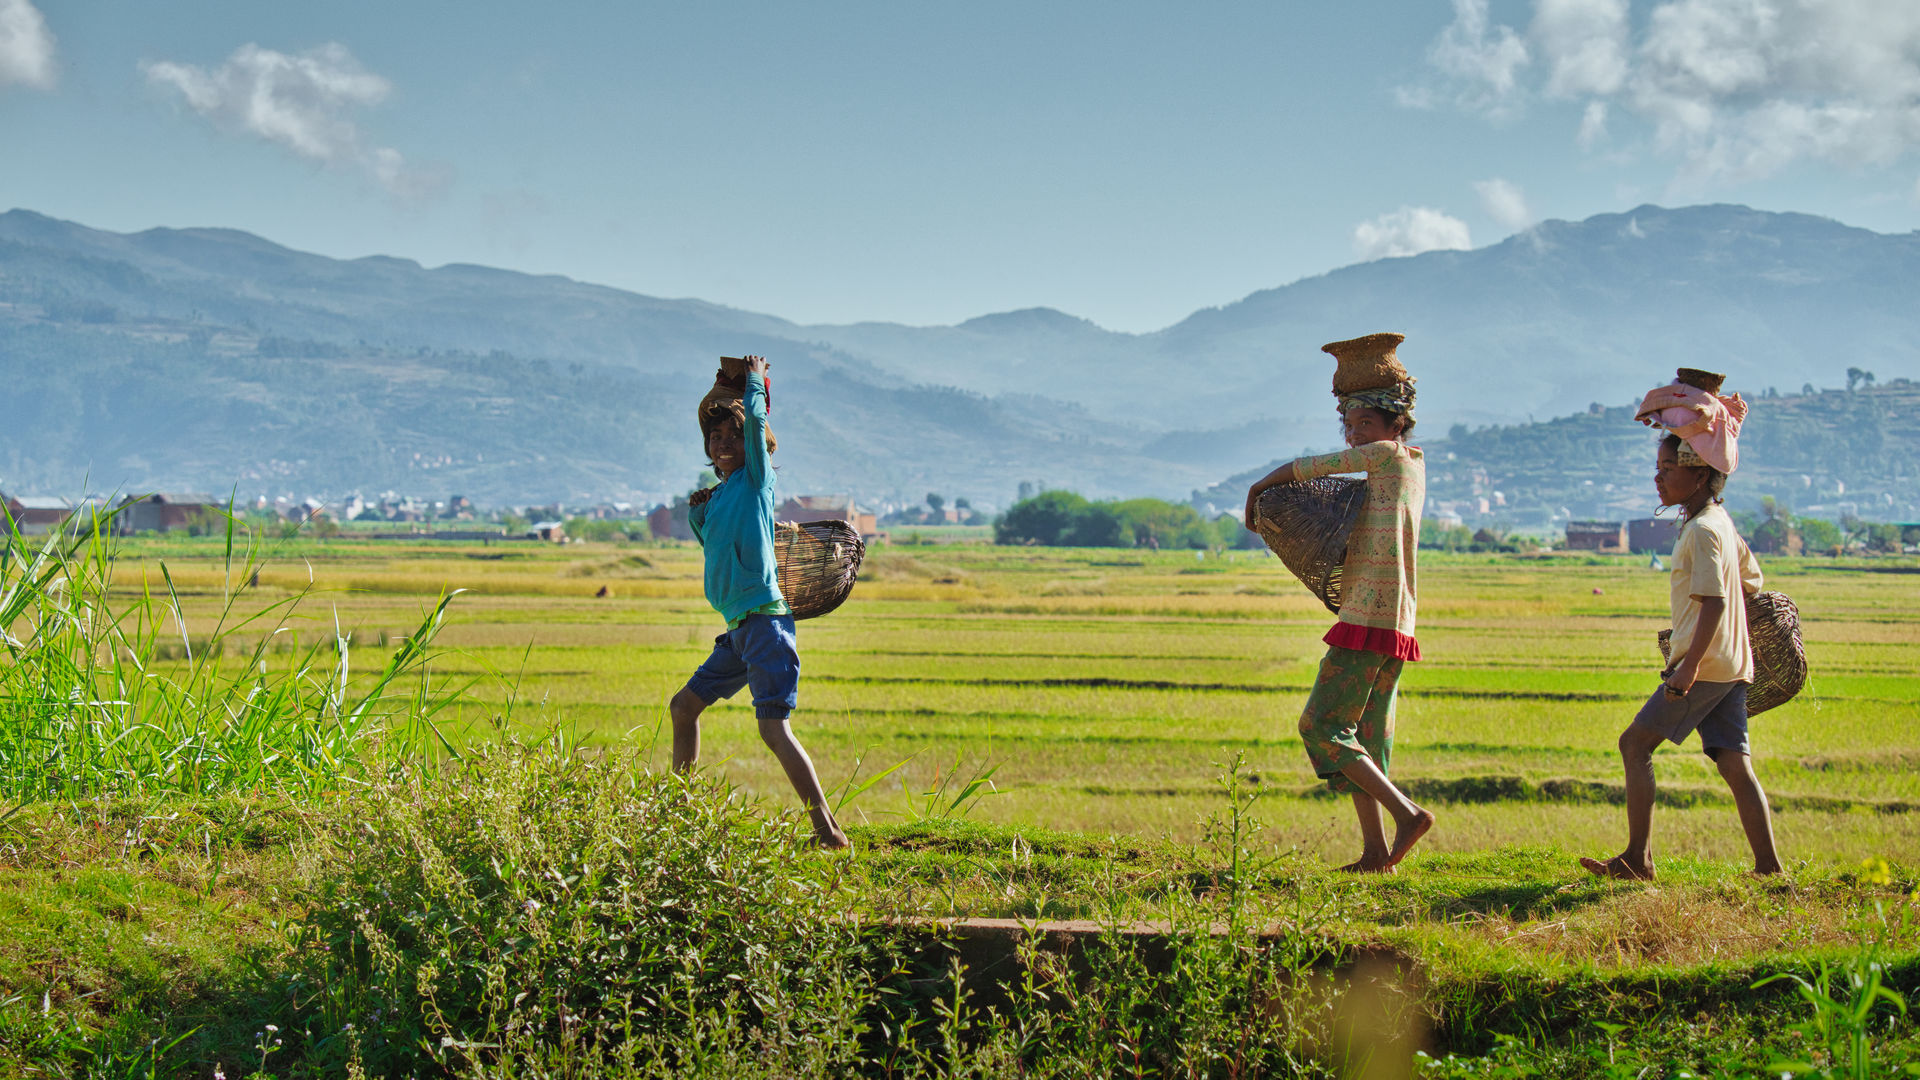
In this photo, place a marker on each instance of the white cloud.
(1410, 230)
(26, 46)
(1593, 125)
(1731, 90)
(1504, 203)
(1584, 43)
(1483, 61)
(301, 102)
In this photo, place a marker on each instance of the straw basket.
(1306, 523)
(1779, 657)
(819, 561)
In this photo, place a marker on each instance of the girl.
(1347, 725)
(1705, 688)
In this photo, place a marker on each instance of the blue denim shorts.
(761, 653)
(1718, 710)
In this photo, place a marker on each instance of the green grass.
(1106, 691)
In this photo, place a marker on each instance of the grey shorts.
(1718, 710)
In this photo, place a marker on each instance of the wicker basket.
(1779, 656)
(1306, 523)
(819, 562)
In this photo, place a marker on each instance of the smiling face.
(1362, 425)
(725, 446)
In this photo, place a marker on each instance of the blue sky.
(837, 162)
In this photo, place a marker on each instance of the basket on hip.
(819, 562)
(1306, 523)
(1779, 656)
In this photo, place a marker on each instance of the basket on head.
(1366, 363)
(730, 385)
(1306, 524)
(1710, 381)
(1779, 656)
(818, 564)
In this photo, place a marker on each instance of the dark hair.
(1388, 416)
(1716, 480)
(720, 412)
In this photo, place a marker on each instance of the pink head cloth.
(1708, 423)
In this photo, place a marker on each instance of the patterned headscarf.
(1397, 398)
(1690, 458)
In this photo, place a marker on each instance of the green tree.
(1819, 534)
(1045, 518)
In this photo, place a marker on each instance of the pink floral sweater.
(1377, 584)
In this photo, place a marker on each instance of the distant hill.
(210, 357)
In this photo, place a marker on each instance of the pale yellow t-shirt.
(1710, 559)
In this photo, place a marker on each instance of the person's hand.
(700, 496)
(757, 365)
(1253, 508)
(1682, 679)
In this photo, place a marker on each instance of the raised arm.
(754, 432)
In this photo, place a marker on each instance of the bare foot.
(1407, 834)
(834, 840)
(1617, 868)
(1369, 864)
(1774, 870)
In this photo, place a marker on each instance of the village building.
(167, 511)
(1653, 535)
(828, 507)
(1604, 536)
(35, 515)
(552, 530)
(668, 521)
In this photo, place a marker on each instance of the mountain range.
(215, 359)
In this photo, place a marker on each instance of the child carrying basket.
(1347, 725)
(1705, 685)
(734, 523)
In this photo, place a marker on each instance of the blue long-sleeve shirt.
(735, 526)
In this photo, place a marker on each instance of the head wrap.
(1397, 398)
(1689, 457)
(1708, 425)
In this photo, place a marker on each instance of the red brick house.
(166, 511)
(824, 507)
(1597, 536)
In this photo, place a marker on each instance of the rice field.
(1106, 689)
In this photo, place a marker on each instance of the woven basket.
(1306, 523)
(1779, 656)
(819, 562)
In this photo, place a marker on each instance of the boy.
(734, 523)
(1705, 687)
(1347, 725)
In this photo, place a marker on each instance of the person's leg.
(1723, 735)
(1410, 822)
(1329, 730)
(1373, 838)
(1755, 816)
(1662, 718)
(685, 709)
(721, 675)
(777, 733)
(772, 653)
(1376, 734)
(1636, 757)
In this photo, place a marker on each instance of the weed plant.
(533, 910)
(108, 690)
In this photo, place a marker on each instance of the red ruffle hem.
(1392, 643)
